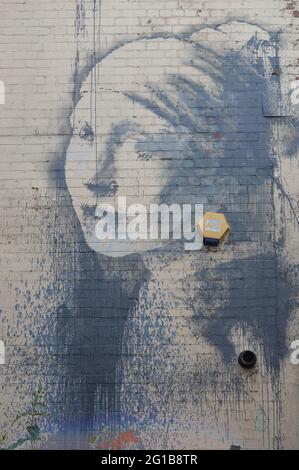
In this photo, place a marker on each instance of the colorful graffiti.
(125, 440)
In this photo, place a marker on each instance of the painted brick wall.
(159, 101)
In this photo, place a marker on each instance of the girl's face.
(132, 138)
(134, 155)
(165, 129)
(119, 161)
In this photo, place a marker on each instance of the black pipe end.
(247, 359)
(211, 241)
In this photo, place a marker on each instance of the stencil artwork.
(157, 120)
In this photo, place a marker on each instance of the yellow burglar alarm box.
(214, 228)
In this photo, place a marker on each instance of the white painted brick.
(43, 252)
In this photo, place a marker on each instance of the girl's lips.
(102, 189)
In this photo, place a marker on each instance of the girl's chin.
(122, 248)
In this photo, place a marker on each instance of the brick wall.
(177, 102)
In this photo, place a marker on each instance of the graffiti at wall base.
(26, 431)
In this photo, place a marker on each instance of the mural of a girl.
(183, 124)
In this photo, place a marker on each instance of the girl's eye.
(113, 185)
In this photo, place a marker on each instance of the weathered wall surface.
(159, 101)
